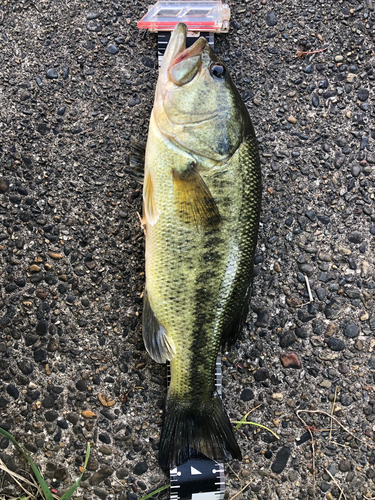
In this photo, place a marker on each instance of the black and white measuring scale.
(200, 478)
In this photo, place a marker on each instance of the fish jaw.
(176, 45)
(187, 64)
(180, 64)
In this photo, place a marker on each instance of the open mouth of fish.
(184, 63)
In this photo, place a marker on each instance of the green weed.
(41, 486)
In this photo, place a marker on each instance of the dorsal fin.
(137, 161)
(137, 154)
(233, 329)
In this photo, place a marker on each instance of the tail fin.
(194, 427)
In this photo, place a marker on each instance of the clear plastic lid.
(209, 15)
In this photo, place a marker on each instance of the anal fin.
(159, 346)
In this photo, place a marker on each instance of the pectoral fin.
(159, 346)
(151, 211)
(193, 198)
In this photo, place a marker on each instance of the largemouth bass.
(201, 199)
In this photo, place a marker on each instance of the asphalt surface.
(76, 87)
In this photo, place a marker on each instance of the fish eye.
(217, 71)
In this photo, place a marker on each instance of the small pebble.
(315, 100)
(81, 385)
(42, 327)
(339, 160)
(356, 237)
(92, 15)
(287, 338)
(4, 185)
(55, 255)
(140, 468)
(344, 465)
(335, 344)
(63, 424)
(104, 438)
(261, 375)
(13, 391)
(100, 475)
(52, 74)
(148, 62)
(356, 170)
(51, 415)
(271, 19)
(351, 331)
(247, 395)
(48, 402)
(88, 414)
(290, 360)
(363, 94)
(40, 355)
(281, 460)
(321, 293)
(278, 396)
(346, 400)
(326, 384)
(111, 49)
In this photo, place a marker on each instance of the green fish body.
(202, 193)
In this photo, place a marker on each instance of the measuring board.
(200, 478)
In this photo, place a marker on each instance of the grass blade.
(16, 476)
(242, 422)
(72, 489)
(162, 488)
(39, 477)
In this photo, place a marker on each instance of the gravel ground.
(76, 87)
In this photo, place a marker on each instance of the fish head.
(196, 103)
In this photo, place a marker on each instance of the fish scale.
(202, 195)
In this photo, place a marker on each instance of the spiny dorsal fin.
(137, 154)
(194, 200)
(159, 346)
(151, 211)
(137, 161)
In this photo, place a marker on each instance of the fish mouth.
(195, 50)
(176, 45)
(181, 64)
(187, 64)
